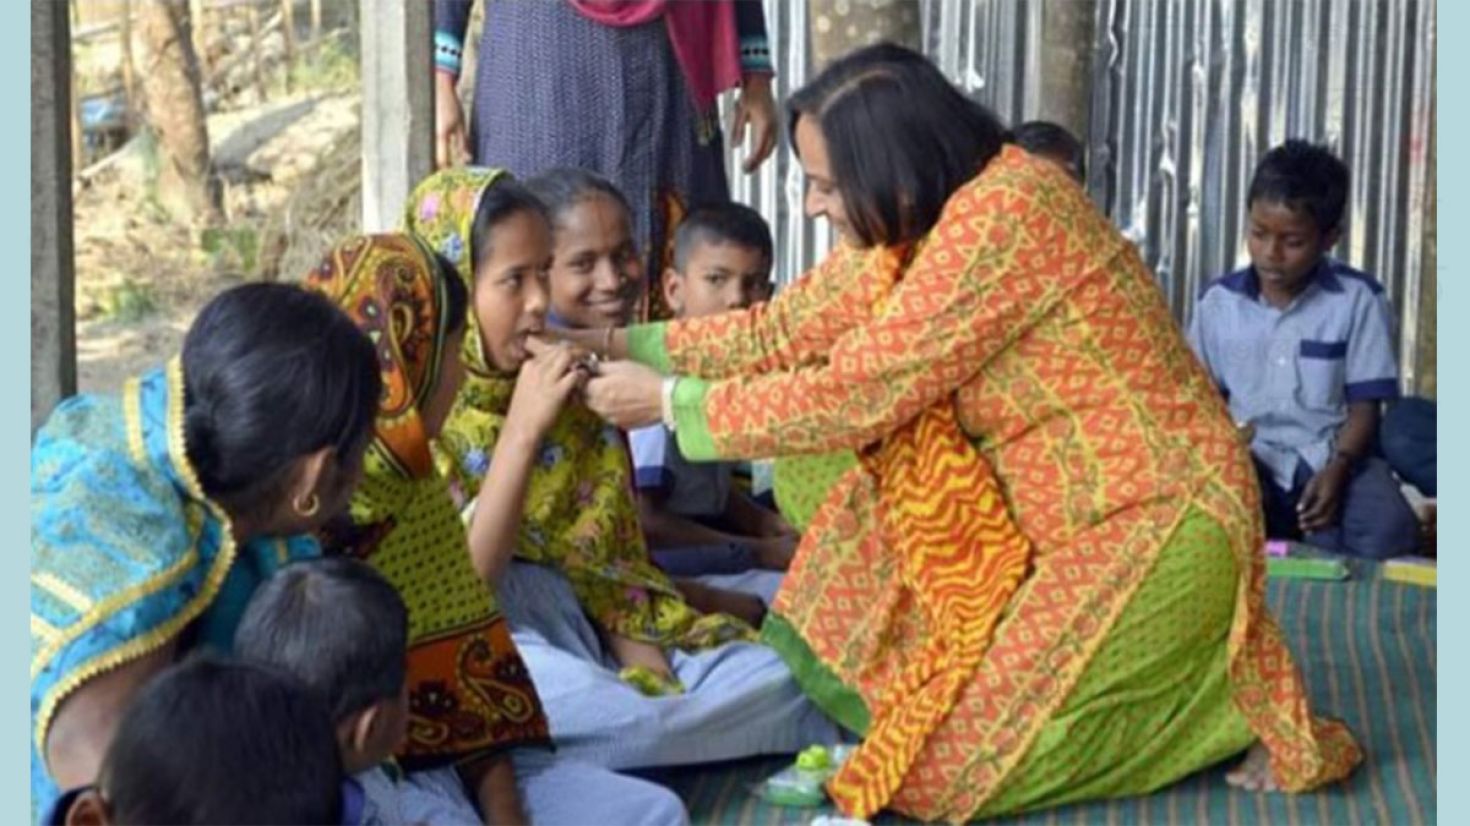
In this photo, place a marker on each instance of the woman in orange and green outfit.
(1041, 582)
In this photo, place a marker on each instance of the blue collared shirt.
(1292, 372)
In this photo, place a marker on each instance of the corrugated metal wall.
(1186, 96)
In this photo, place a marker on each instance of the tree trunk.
(174, 110)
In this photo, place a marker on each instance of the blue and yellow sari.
(127, 553)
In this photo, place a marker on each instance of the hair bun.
(200, 437)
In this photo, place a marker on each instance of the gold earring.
(308, 510)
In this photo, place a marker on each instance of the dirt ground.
(292, 184)
(142, 277)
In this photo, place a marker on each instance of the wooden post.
(253, 11)
(53, 334)
(130, 90)
(288, 31)
(316, 20)
(397, 106)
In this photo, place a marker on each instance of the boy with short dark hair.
(341, 628)
(696, 520)
(1301, 346)
(214, 741)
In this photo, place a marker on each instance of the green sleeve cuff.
(646, 345)
(691, 426)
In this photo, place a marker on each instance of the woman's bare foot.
(1254, 772)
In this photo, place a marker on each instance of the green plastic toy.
(1306, 568)
(800, 785)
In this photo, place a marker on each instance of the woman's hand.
(756, 109)
(451, 146)
(545, 382)
(626, 394)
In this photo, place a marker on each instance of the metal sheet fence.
(1186, 96)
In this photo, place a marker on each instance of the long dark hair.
(900, 136)
(272, 373)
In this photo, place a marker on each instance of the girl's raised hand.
(547, 379)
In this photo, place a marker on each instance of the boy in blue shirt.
(695, 519)
(1301, 346)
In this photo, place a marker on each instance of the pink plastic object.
(1277, 547)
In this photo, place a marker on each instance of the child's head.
(1295, 203)
(511, 252)
(341, 628)
(1053, 142)
(722, 261)
(596, 274)
(213, 741)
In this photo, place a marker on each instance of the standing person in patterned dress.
(623, 88)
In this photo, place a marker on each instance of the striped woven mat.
(1367, 647)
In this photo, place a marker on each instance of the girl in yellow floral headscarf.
(513, 444)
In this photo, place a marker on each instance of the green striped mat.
(1367, 647)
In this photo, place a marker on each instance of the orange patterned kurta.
(1029, 313)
